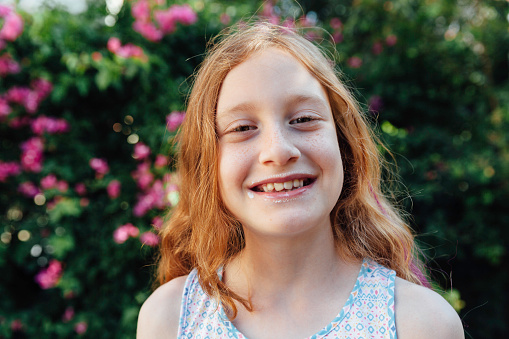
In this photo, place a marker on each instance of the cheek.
(325, 149)
(233, 166)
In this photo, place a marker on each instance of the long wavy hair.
(201, 233)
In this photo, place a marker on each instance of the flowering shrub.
(89, 112)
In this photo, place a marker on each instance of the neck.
(269, 265)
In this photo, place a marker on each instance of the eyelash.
(242, 128)
(308, 119)
(245, 128)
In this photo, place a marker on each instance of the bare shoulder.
(160, 313)
(423, 313)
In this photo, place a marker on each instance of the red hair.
(203, 234)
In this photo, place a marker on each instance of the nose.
(277, 147)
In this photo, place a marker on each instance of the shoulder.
(423, 313)
(160, 313)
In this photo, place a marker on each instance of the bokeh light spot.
(133, 139)
(39, 199)
(24, 235)
(128, 120)
(36, 250)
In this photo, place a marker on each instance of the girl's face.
(280, 168)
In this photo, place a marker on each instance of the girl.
(282, 230)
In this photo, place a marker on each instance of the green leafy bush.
(90, 104)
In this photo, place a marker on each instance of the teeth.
(279, 186)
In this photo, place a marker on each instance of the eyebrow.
(295, 100)
(290, 101)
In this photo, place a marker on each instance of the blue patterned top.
(368, 312)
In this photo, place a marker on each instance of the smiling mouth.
(286, 186)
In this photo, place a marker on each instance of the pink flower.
(144, 179)
(157, 222)
(28, 189)
(174, 120)
(148, 30)
(62, 186)
(149, 239)
(19, 122)
(8, 169)
(81, 327)
(49, 182)
(143, 176)
(49, 277)
(80, 188)
(336, 23)
(113, 189)
(42, 87)
(268, 9)
(96, 56)
(17, 94)
(84, 202)
(141, 151)
(391, 40)
(126, 51)
(100, 166)
(144, 204)
(5, 109)
(161, 161)
(184, 14)
(289, 24)
(155, 197)
(122, 233)
(375, 104)
(141, 11)
(166, 20)
(12, 28)
(32, 154)
(113, 44)
(4, 11)
(68, 314)
(354, 62)
(16, 325)
(49, 125)
(337, 37)
(8, 65)
(377, 48)
(132, 51)
(225, 19)
(24, 96)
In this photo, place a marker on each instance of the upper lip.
(282, 179)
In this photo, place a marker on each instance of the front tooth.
(270, 187)
(279, 186)
(296, 183)
(301, 182)
(288, 185)
(265, 188)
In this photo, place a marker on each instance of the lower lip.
(284, 195)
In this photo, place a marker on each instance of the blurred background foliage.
(89, 106)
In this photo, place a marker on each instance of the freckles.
(324, 144)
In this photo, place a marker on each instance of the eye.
(243, 128)
(301, 120)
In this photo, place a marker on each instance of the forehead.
(271, 75)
